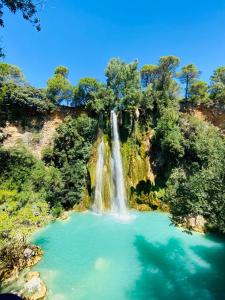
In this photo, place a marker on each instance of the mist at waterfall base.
(92, 257)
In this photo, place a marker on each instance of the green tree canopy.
(27, 7)
(198, 93)
(62, 70)
(86, 90)
(149, 73)
(10, 73)
(217, 86)
(14, 98)
(187, 76)
(59, 87)
(121, 77)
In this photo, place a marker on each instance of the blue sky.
(84, 35)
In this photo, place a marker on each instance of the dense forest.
(187, 154)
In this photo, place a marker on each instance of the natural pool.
(94, 257)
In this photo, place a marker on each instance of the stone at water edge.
(34, 288)
(65, 215)
(197, 223)
(28, 253)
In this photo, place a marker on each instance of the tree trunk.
(187, 88)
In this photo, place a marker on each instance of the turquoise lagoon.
(99, 257)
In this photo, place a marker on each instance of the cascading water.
(118, 200)
(98, 204)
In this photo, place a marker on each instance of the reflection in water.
(98, 258)
(166, 273)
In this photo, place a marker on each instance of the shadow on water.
(169, 271)
(42, 242)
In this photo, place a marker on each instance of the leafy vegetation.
(26, 191)
(70, 155)
(187, 154)
(28, 9)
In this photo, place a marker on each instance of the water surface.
(92, 257)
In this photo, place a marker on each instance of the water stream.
(118, 201)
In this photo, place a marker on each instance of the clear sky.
(84, 34)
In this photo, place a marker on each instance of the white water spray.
(98, 203)
(118, 200)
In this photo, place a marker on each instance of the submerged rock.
(34, 288)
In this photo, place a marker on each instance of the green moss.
(91, 166)
(136, 162)
(139, 177)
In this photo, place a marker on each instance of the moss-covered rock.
(138, 174)
(91, 182)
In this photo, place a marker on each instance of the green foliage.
(162, 89)
(86, 91)
(169, 135)
(149, 73)
(70, 155)
(26, 7)
(147, 104)
(188, 156)
(196, 187)
(27, 191)
(198, 93)
(187, 76)
(217, 86)
(59, 87)
(57, 210)
(62, 70)
(14, 97)
(10, 73)
(122, 78)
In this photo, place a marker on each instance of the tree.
(217, 86)
(187, 76)
(70, 155)
(26, 7)
(121, 77)
(149, 73)
(59, 87)
(86, 91)
(124, 80)
(19, 98)
(169, 135)
(62, 70)
(10, 73)
(198, 93)
(196, 186)
(167, 68)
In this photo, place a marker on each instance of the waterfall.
(98, 204)
(118, 200)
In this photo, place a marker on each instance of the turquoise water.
(93, 257)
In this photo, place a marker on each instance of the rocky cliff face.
(35, 137)
(215, 116)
